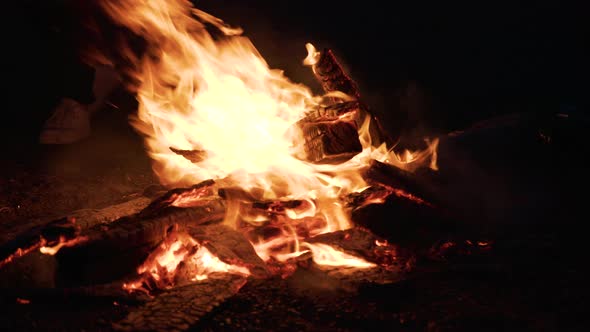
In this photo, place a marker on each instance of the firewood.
(363, 243)
(331, 132)
(45, 235)
(332, 77)
(333, 112)
(95, 293)
(194, 156)
(416, 183)
(87, 218)
(113, 251)
(180, 197)
(179, 308)
(401, 218)
(329, 72)
(230, 246)
(330, 141)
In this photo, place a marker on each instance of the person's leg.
(83, 88)
(70, 120)
(86, 89)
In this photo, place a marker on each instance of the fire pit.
(263, 183)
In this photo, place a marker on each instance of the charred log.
(88, 218)
(181, 307)
(113, 251)
(416, 184)
(330, 142)
(362, 243)
(329, 72)
(332, 76)
(181, 197)
(350, 109)
(230, 246)
(194, 156)
(51, 234)
(400, 217)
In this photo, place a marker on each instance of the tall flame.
(212, 92)
(217, 96)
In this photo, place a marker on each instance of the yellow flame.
(219, 96)
(313, 56)
(63, 242)
(207, 263)
(162, 265)
(326, 255)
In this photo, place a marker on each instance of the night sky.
(470, 60)
(466, 61)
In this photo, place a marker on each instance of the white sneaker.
(69, 123)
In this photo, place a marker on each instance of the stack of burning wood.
(93, 251)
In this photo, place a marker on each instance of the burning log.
(413, 184)
(330, 142)
(230, 246)
(331, 132)
(354, 256)
(194, 156)
(362, 243)
(399, 216)
(351, 109)
(191, 298)
(180, 307)
(49, 235)
(332, 77)
(181, 197)
(88, 218)
(113, 251)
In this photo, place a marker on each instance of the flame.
(218, 96)
(180, 256)
(22, 301)
(191, 198)
(325, 255)
(313, 56)
(63, 242)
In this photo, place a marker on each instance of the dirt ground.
(531, 281)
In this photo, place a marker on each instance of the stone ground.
(531, 280)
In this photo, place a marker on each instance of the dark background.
(469, 60)
(463, 61)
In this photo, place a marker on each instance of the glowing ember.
(191, 198)
(22, 301)
(382, 243)
(324, 254)
(180, 258)
(63, 242)
(20, 252)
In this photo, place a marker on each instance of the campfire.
(263, 177)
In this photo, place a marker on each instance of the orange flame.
(180, 256)
(218, 96)
(326, 255)
(63, 242)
